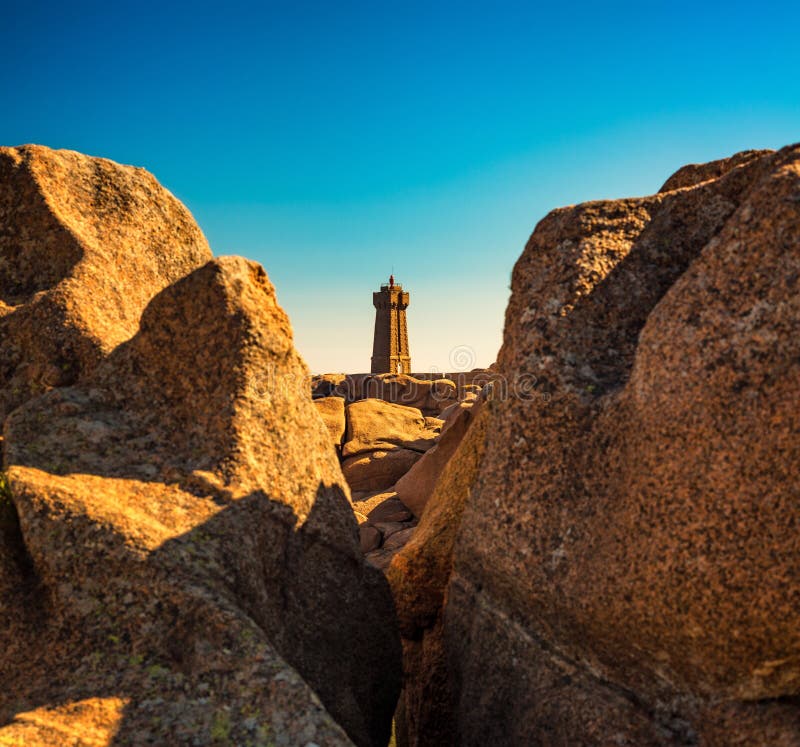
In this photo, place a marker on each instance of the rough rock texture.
(84, 245)
(418, 575)
(328, 385)
(627, 566)
(185, 567)
(331, 410)
(695, 173)
(416, 486)
(378, 470)
(373, 425)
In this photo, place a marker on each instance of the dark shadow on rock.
(605, 324)
(193, 636)
(31, 263)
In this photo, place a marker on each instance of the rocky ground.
(392, 454)
(593, 543)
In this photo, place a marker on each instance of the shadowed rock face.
(418, 575)
(331, 410)
(416, 486)
(626, 569)
(187, 559)
(84, 245)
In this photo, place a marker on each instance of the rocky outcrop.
(393, 457)
(427, 395)
(378, 470)
(625, 570)
(383, 521)
(431, 395)
(331, 410)
(696, 173)
(373, 424)
(384, 442)
(419, 574)
(416, 486)
(84, 245)
(329, 385)
(181, 562)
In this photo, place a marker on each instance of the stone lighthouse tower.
(390, 346)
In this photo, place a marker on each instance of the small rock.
(388, 528)
(399, 539)
(384, 506)
(369, 537)
(378, 470)
(374, 425)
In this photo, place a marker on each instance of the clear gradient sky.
(332, 141)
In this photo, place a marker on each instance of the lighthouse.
(390, 343)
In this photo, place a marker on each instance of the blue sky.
(333, 142)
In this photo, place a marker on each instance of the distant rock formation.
(415, 487)
(373, 424)
(626, 568)
(375, 471)
(400, 431)
(179, 559)
(84, 245)
(392, 455)
(431, 394)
